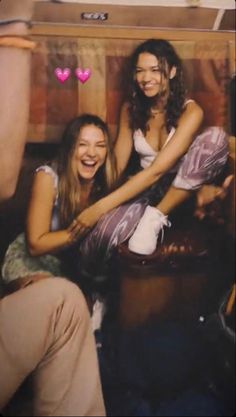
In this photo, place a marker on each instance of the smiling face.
(151, 79)
(90, 153)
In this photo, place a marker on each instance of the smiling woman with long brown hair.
(83, 172)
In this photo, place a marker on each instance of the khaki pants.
(45, 330)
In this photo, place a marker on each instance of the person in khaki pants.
(45, 326)
(45, 329)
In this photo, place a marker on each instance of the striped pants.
(203, 162)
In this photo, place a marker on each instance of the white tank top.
(146, 153)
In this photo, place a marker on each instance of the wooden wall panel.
(54, 103)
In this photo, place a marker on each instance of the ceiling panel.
(197, 18)
(215, 4)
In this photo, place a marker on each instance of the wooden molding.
(69, 30)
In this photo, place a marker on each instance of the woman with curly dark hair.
(162, 124)
(143, 105)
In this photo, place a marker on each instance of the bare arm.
(189, 124)
(124, 142)
(15, 89)
(40, 239)
(14, 108)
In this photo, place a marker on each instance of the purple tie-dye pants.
(202, 164)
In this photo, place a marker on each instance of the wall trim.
(69, 30)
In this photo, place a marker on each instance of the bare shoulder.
(193, 113)
(43, 182)
(191, 106)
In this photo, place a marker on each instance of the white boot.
(144, 239)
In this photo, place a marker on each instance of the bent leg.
(111, 230)
(45, 329)
(203, 162)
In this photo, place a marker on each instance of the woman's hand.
(208, 198)
(84, 222)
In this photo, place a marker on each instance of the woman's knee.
(204, 160)
(62, 286)
(72, 295)
(212, 140)
(54, 294)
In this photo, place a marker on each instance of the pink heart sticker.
(83, 75)
(62, 74)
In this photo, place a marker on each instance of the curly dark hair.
(139, 104)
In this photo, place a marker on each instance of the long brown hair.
(139, 104)
(69, 183)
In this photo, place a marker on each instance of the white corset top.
(145, 151)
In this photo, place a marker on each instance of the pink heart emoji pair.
(63, 74)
